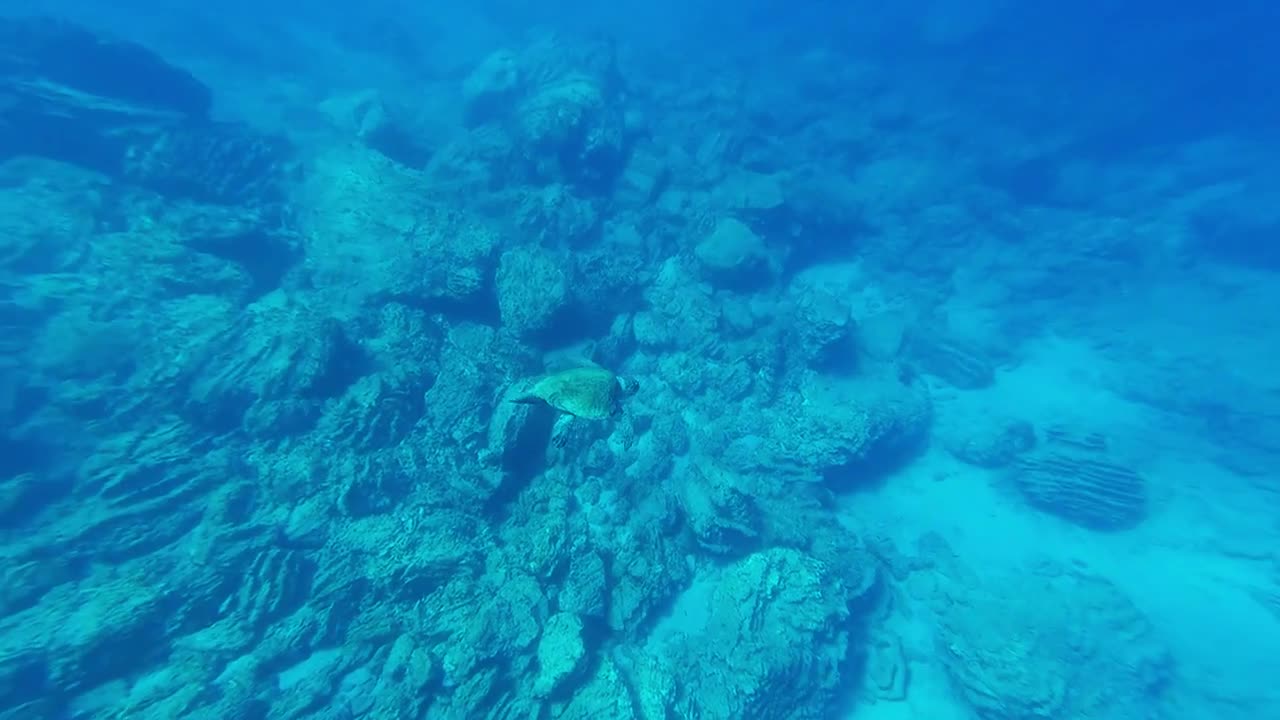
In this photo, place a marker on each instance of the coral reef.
(263, 454)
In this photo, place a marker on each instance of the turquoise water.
(641, 361)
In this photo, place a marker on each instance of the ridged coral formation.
(1062, 645)
(212, 162)
(271, 371)
(764, 640)
(958, 362)
(1072, 477)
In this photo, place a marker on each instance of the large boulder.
(764, 638)
(1050, 645)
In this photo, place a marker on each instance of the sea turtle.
(589, 392)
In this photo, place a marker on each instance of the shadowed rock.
(115, 107)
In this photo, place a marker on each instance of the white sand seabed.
(1193, 567)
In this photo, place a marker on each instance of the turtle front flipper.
(560, 431)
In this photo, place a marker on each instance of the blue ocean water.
(640, 361)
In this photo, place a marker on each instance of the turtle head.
(628, 386)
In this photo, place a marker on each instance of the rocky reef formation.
(333, 513)
(765, 638)
(986, 441)
(114, 106)
(561, 105)
(258, 459)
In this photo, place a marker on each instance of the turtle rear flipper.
(538, 395)
(522, 392)
(561, 430)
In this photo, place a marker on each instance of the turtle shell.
(587, 392)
